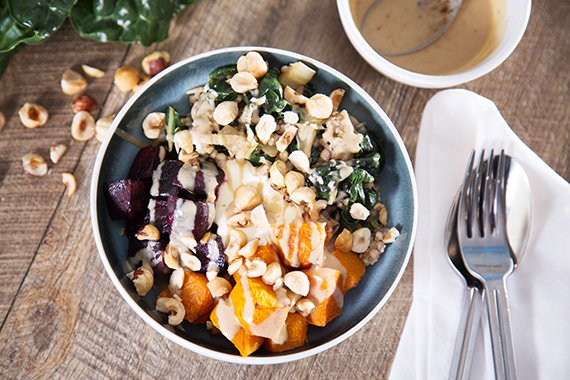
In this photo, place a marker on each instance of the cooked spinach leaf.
(372, 163)
(326, 178)
(309, 90)
(273, 92)
(258, 156)
(367, 145)
(217, 81)
(370, 198)
(346, 221)
(315, 153)
(355, 185)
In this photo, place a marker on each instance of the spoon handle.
(466, 333)
(500, 324)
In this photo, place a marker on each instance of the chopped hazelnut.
(34, 164)
(153, 124)
(92, 72)
(82, 126)
(72, 83)
(102, 126)
(68, 180)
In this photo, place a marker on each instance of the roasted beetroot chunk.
(191, 220)
(151, 252)
(145, 162)
(211, 254)
(202, 182)
(164, 177)
(164, 213)
(126, 199)
(204, 218)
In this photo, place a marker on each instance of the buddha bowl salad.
(257, 212)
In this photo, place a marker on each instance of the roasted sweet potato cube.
(301, 245)
(223, 317)
(325, 312)
(354, 269)
(326, 294)
(251, 295)
(267, 253)
(296, 326)
(196, 297)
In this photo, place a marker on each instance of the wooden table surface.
(62, 317)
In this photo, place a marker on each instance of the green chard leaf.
(26, 22)
(270, 87)
(217, 81)
(30, 22)
(144, 21)
(41, 17)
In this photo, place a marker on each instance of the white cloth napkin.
(454, 122)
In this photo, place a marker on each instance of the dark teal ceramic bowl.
(398, 192)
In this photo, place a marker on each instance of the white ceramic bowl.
(517, 16)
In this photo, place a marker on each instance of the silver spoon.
(518, 227)
(433, 19)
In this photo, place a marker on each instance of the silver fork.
(482, 235)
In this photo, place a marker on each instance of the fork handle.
(466, 334)
(500, 325)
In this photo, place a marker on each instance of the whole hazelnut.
(83, 103)
(155, 62)
(126, 78)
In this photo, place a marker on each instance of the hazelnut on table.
(33, 115)
(72, 83)
(83, 103)
(155, 62)
(34, 164)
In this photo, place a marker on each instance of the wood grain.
(62, 316)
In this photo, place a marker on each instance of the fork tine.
(500, 193)
(485, 192)
(478, 195)
(463, 222)
(486, 204)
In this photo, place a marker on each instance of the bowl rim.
(415, 79)
(282, 358)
